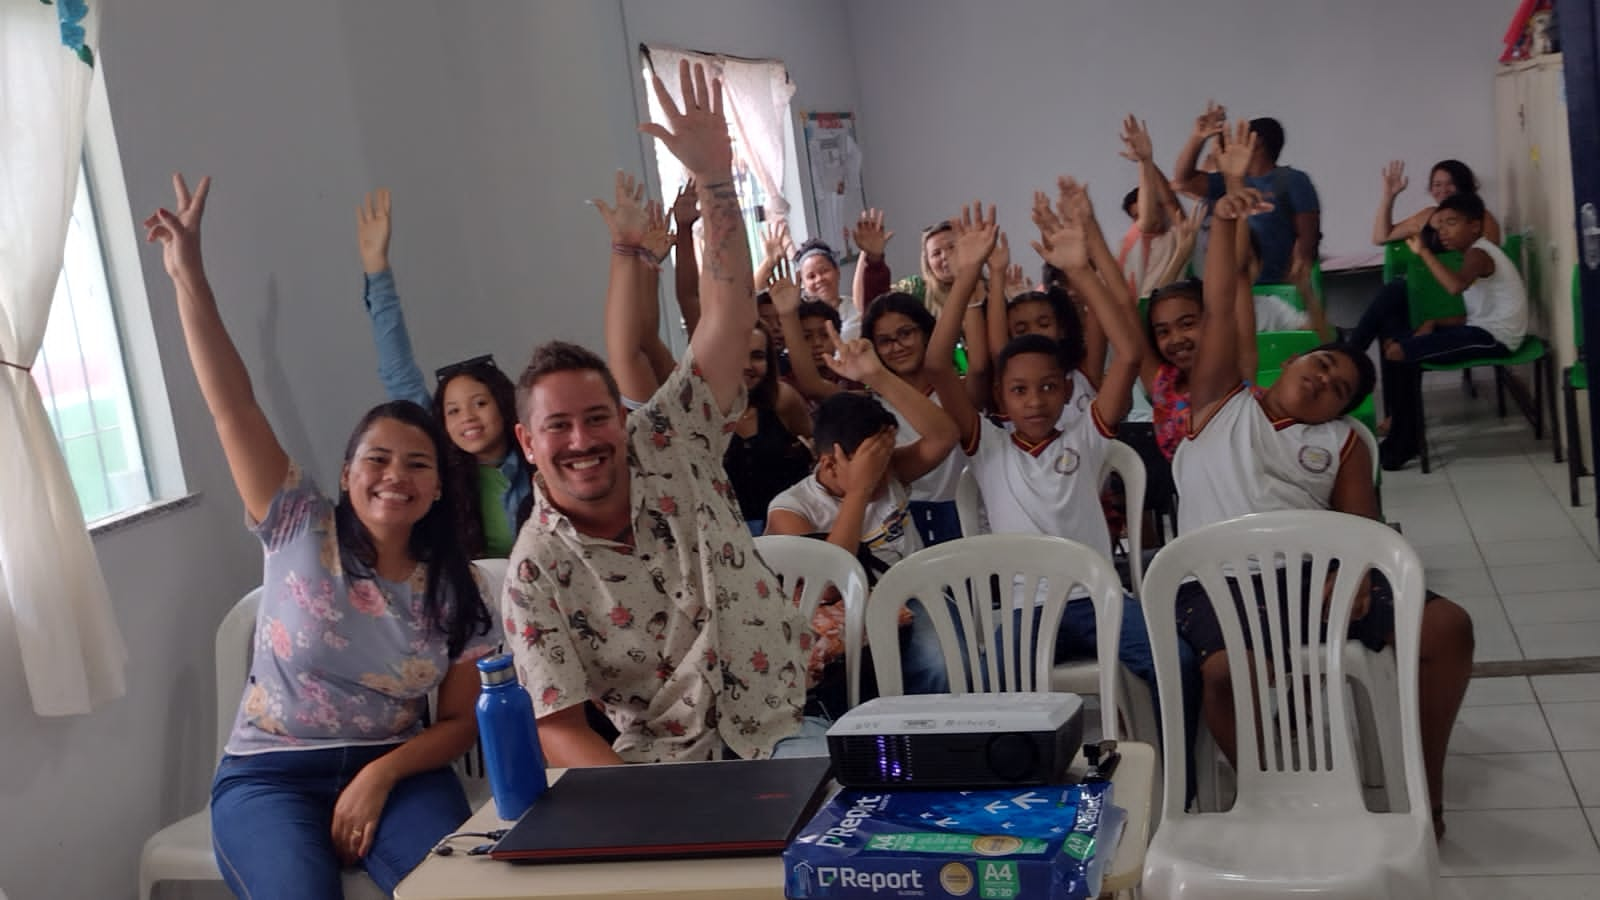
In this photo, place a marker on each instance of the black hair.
(1189, 288)
(1467, 204)
(896, 302)
(815, 247)
(560, 356)
(845, 420)
(1050, 275)
(1460, 175)
(1031, 343)
(765, 394)
(817, 309)
(452, 604)
(1130, 200)
(763, 298)
(462, 467)
(1366, 373)
(1066, 313)
(1269, 136)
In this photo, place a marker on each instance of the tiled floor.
(1492, 524)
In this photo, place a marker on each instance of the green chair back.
(1273, 349)
(1288, 293)
(1395, 257)
(1428, 298)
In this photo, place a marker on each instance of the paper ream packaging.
(1033, 842)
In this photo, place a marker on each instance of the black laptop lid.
(669, 811)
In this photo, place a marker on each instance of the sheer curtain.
(72, 651)
(756, 93)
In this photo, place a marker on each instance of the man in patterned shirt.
(635, 583)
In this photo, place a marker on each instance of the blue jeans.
(272, 814)
(936, 520)
(810, 740)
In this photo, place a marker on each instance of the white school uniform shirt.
(1051, 489)
(886, 528)
(940, 483)
(1242, 462)
(1273, 313)
(1498, 303)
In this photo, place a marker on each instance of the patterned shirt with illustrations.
(339, 660)
(684, 637)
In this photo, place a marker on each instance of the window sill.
(140, 514)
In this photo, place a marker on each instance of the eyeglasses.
(466, 365)
(902, 336)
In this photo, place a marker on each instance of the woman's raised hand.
(630, 218)
(373, 229)
(179, 232)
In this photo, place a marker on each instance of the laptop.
(669, 811)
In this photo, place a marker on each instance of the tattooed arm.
(698, 137)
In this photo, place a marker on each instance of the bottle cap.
(496, 669)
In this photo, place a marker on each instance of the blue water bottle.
(511, 752)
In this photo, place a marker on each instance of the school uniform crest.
(1315, 459)
(1067, 462)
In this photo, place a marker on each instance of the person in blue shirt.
(1290, 232)
(473, 401)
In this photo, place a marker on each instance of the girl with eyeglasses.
(473, 401)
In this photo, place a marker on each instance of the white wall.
(992, 100)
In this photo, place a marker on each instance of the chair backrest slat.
(812, 566)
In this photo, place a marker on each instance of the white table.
(462, 877)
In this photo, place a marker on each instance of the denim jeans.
(272, 817)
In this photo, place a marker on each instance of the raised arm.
(1067, 241)
(872, 272)
(1216, 370)
(658, 241)
(1186, 175)
(1073, 198)
(256, 459)
(1158, 207)
(976, 243)
(397, 363)
(1233, 163)
(856, 360)
(777, 245)
(786, 300)
(685, 268)
(698, 137)
(629, 313)
(1475, 264)
(1384, 228)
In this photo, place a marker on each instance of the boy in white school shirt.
(858, 499)
(1043, 477)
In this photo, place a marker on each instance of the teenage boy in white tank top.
(1495, 323)
(1251, 451)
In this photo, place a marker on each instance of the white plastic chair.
(817, 564)
(1121, 459)
(494, 575)
(987, 580)
(1299, 824)
(182, 851)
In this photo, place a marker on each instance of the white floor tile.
(1496, 640)
(1498, 691)
(1518, 842)
(1462, 582)
(1519, 523)
(1527, 553)
(1462, 555)
(1576, 726)
(1427, 526)
(1513, 728)
(1507, 781)
(1522, 887)
(1553, 607)
(1566, 688)
(1584, 767)
(1565, 576)
(1559, 641)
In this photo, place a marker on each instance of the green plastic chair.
(1575, 378)
(1428, 299)
(1288, 293)
(1274, 348)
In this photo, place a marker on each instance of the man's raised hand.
(1211, 122)
(1136, 146)
(698, 134)
(1234, 158)
(1240, 203)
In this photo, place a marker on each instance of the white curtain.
(72, 651)
(756, 94)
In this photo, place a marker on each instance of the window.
(81, 374)
(752, 198)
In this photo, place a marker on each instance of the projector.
(957, 740)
